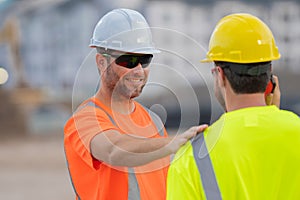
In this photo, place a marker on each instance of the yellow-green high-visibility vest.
(251, 153)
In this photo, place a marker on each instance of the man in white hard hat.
(116, 148)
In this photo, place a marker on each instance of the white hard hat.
(124, 30)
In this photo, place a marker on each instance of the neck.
(115, 103)
(239, 101)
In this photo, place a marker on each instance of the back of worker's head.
(247, 78)
(244, 47)
(123, 30)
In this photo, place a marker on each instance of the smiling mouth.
(134, 80)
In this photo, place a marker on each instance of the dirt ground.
(34, 168)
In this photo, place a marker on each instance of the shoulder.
(142, 111)
(148, 116)
(183, 168)
(287, 117)
(86, 116)
(140, 108)
(289, 120)
(289, 114)
(183, 155)
(89, 110)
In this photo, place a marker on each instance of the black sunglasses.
(130, 61)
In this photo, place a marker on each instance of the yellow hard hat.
(242, 38)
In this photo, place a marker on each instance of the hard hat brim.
(138, 51)
(206, 60)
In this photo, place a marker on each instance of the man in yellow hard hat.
(252, 150)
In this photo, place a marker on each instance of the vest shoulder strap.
(157, 121)
(204, 164)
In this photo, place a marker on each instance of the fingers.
(275, 78)
(179, 140)
(277, 88)
(269, 99)
(199, 128)
(194, 130)
(202, 127)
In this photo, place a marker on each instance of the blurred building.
(54, 38)
(196, 19)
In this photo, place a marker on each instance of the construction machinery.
(15, 102)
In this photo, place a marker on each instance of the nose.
(138, 69)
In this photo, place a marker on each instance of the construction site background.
(44, 49)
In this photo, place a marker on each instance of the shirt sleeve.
(183, 181)
(91, 122)
(85, 125)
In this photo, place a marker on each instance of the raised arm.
(119, 149)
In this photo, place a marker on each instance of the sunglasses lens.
(146, 60)
(131, 61)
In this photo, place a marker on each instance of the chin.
(135, 94)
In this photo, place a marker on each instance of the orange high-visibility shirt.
(95, 180)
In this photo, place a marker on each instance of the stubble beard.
(119, 89)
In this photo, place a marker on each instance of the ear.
(221, 77)
(101, 62)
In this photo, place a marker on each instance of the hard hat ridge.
(124, 30)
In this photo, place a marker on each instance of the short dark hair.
(102, 51)
(247, 78)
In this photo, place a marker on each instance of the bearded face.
(125, 83)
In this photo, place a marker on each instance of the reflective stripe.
(205, 168)
(77, 195)
(157, 121)
(154, 117)
(90, 103)
(133, 187)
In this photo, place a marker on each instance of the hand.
(181, 139)
(274, 98)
